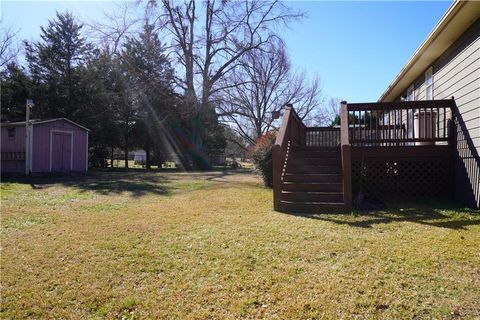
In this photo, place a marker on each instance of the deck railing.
(292, 132)
(406, 123)
(346, 152)
(400, 123)
(322, 137)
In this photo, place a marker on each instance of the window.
(11, 133)
(410, 94)
(429, 84)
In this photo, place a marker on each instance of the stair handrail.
(346, 155)
(292, 131)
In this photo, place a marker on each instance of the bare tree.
(116, 26)
(330, 113)
(265, 83)
(210, 38)
(9, 48)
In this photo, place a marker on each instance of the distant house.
(57, 145)
(140, 157)
(445, 66)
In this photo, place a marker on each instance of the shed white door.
(61, 151)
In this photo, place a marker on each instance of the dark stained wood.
(396, 152)
(403, 172)
(291, 133)
(317, 169)
(322, 137)
(393, 124)
(346, 157)
(347, 176)
(279, 153)
(358, 141)
(402, 105)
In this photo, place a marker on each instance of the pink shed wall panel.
(13, 144)
(43, 137)
(69, 139)
(16, 143)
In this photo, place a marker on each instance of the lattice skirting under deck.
(403, 178)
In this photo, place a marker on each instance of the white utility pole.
(28, 138)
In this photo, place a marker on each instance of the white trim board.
(86, 153)
(37, 121)
(30, 149)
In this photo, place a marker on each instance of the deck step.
(313, 181)
(316, 149)
(309, 196)
(313, 168)
(312, 177)
(313, 161)
(298, 162)
(313, 207)
(315, 154)
(313, 186)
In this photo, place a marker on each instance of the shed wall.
(13, 150)
(42, 145)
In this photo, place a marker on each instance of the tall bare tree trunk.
(126, 158)
(111, 157)
(147, 155)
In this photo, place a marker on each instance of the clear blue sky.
(357, 48)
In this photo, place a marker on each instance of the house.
(140, 157)
(446, 65)
(57, 145)
(420, 140)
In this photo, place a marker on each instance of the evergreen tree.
(54, 64)
(150, 78)
(16, 87)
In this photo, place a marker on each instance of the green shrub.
(261, 154)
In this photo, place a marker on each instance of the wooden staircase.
(313, 181)
(311, 167)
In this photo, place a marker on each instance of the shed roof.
(39, 121)
(458, 18)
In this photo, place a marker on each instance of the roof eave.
(34, 122)
(458, 18)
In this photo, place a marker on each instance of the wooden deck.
(387, 150)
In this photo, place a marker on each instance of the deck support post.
(346, 156)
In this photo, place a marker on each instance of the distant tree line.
(212, 82)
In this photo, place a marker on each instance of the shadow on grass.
(103, 182)
(435, 214)
(136, 182)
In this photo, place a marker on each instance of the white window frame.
(429, 83)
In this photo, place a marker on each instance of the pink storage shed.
(57, 145)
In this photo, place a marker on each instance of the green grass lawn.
(137, 245)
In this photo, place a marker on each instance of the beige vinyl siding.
(460, 78)
(465, 59)
(421, 89)
(456, 73)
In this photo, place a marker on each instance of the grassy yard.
(136, 245)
